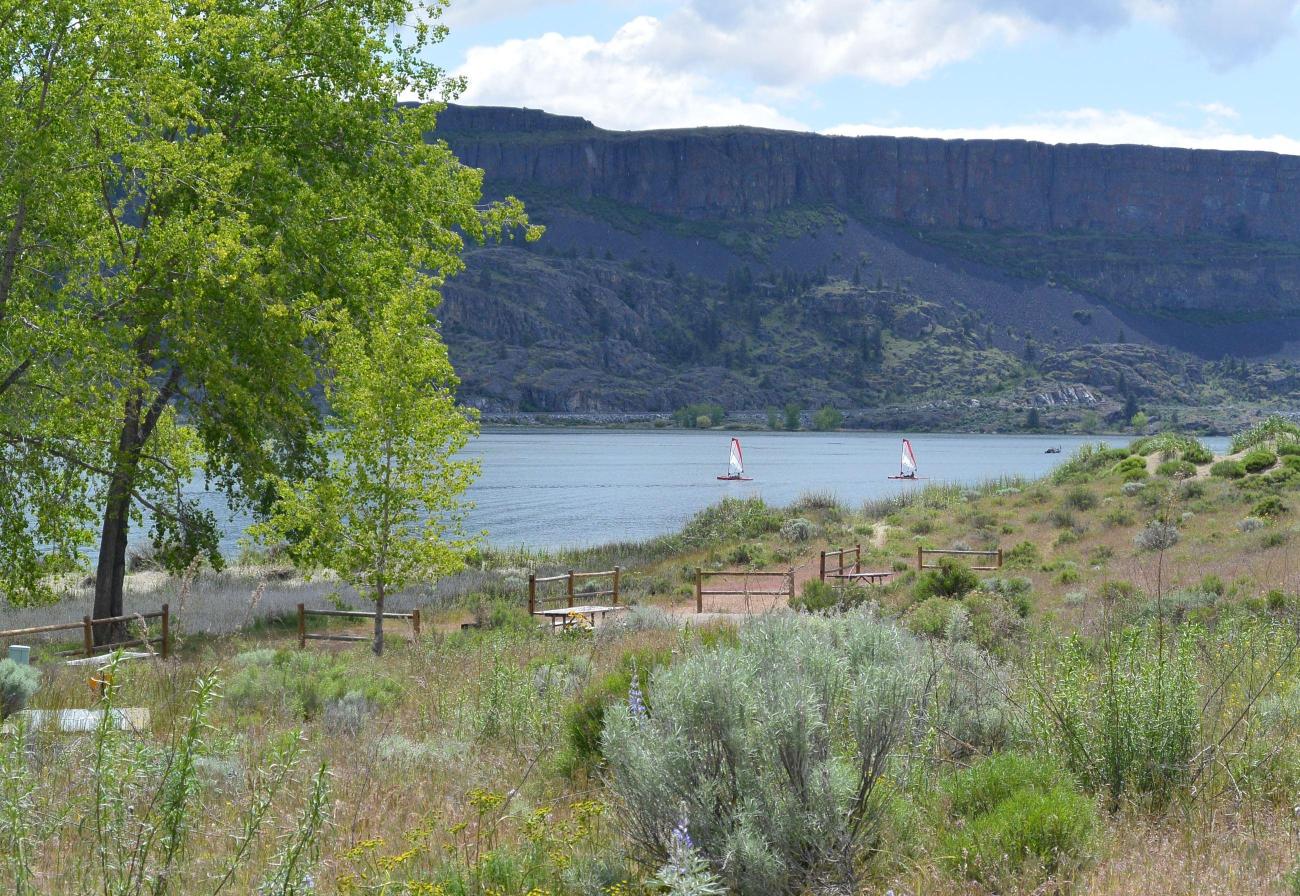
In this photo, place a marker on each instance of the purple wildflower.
(681, 837)
(635, 700)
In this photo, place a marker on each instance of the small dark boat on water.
(1056, 450)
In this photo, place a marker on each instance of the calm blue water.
(549, 488)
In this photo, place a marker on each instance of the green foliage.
(1079, 498)
(797, 530)
(385, 511)
(827, 419)
(1270, 507)
(817, 596)
(932, 617)
(17, 684)
(303, 683)
(1087, 462)
(832, 691)
(1258, 460)
(700, 415)
(1176, 469)
(1276, 429)
(1228, 469)
(950, 579)
(1021, 822)
(1126, 721)
(1024, 555)
(792, 413)
(1131, 469)
(1198, 454)
(245, 196)
(1288, 449)
(729, 520)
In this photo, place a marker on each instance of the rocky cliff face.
(758, 267)
(964, 184)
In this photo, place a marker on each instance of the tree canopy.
(198, 200)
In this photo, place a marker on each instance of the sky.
(1221, 74)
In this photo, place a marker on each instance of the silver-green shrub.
(17, 684)
(769, 751)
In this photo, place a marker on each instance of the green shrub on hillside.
(701, 415)
(1087, 462)
(1176, 469)
(1288, 449)
(950, 579)
(17, 684)
(1228, 469)
(1197, 454)
(1272, 429)
(1024, 555)
(1079, 498)
(1021, 822)
(1271, 506)
(729, 520)
(1131, 469)
(1258, 460)
(932, 616)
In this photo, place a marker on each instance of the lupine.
(635, 701)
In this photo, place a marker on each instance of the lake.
(549, 488)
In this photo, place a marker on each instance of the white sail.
(735, 461)
(909, 459)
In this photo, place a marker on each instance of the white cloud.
(1092, 126)
(1228, 32)
(461, 13)
(615, 83)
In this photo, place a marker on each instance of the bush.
(1080, 498)
(1127, 721)
(1228, 469)
(950, 579)
(1131, 469)
(1288, 449)
(1275, 428)
(827, 419)
(1250, 524)
(699, 416)
(818, 596)
(808, 710)
(932, 616)
(1269, 507)
(1087, 462)
(304, 683)
(979, 789)
(1176, 469)
(1258, 460)
(1212, 584)
(1198, 454)
(1157, 536)
(17, 684)
(730, 519)
(1023, 556)
(797, 530)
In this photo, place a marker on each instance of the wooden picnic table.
(871, 577)
(565, 616)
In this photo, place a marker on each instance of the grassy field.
(1114, 711)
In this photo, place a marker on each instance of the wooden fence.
(87, 626)
(745, 575)
(840, 558)
(304, 636)
(571, 579)
(993, 557)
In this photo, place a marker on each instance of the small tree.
(386, 511)
(827, 419)
(792, 412)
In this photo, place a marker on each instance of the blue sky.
(1200, 73)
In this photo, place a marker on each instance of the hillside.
(963, 280)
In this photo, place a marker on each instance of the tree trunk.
(110, 573)
(379, 620)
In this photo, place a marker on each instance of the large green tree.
(197, 198)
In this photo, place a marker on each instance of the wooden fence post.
(919, 559)
(790, 576)
(570, 587)
(302, 625)
(857, 557)
(999, 558)
(415, 622)
(821, 569)
(699, 590)
(532, 593)
(87, 635)
(616, 576)
(166, 631)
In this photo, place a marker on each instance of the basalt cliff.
(755, 267)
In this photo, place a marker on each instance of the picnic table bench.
(566, 616)
(870, 577)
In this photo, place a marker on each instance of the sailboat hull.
(908, 478)
(736, 478)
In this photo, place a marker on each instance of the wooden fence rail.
(87, 626)
(839, 558)
(304, 636)
(994, 557)
(701, 592)
(571, 578)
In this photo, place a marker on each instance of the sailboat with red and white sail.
(735, 464)
(907, 463)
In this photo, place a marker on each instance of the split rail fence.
(571, 579)
(304, 636)
(845, 565)
(992, 559)
(87, 626)
(787, 591)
